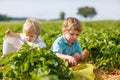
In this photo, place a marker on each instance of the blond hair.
(31, 26)
(71, 23)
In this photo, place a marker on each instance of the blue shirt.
(61, 45)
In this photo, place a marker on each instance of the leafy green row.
(31, 63)
(101, 38)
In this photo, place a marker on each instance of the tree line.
(83, 11)
(4, 17)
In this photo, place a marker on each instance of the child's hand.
(72, 61)
(8, 32)
(85, 54)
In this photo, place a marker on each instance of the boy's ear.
(64, 32)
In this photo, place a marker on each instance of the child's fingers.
(8, 31)
(86, 52)
(73, 62)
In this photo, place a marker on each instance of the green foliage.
(1, 75)
(101, 38)
(50, 31)
(4, 17)
(103, 44)
(62, 15)
(34, 63)
(87, 12)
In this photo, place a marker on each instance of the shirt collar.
(65, 40)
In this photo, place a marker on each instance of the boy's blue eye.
(76, 34)
(72, 34)
(31, 36)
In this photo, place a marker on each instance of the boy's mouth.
(29, 40)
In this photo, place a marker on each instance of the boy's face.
(31, 37)
(71, 35)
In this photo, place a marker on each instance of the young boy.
(67, 46)
(31, 32)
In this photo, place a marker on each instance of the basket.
(11, 44)
(82, 72)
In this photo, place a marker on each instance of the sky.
(50, 9)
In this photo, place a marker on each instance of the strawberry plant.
(33, 63)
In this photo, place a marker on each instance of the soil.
(101, 75)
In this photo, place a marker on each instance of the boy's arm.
(71, 60)
(62, 56)
(12, 34)
(84, 55)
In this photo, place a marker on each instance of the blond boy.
(31, 32)
(67, 46)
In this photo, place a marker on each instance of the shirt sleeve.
(57, 47)
(22, 37)
(40, 43)
(79, 49)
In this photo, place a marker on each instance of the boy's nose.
(75, 36)
(28, 38)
